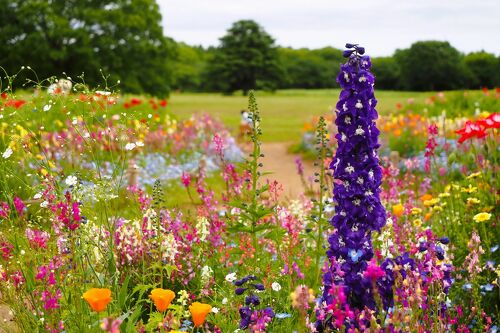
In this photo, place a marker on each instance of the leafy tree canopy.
(123, 38)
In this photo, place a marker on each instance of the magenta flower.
(373, 271)
(20, 206)
(4, 210)
(186, 179)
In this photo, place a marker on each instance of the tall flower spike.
(356, 191)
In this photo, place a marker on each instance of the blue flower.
(486, 287)
(283, 315)
(467, 286)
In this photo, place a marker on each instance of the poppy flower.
(98, 298)
(199, 312)
(398, 210)
(162, 298)
(426, 197)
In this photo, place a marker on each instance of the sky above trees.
(380, 25)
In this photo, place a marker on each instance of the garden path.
(282, 165)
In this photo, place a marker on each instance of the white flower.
(7, 153)
(37, 196)
(224, 301)
(130, 146)
(103, 93)
(139, 144)
(47, 107)
(360, 131)
(276, 286)
(44, 204)
(71, 181)
(215, 310)
(231, 277)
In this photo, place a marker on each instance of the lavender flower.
(358, 177)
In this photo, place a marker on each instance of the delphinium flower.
(251, 317)
(358, 176)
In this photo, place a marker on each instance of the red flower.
(493, 121)
(163, 103)
(135, 101)
(4, 95)
(15, 103)
(469, 131)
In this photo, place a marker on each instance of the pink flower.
(373, 271)
(186, 178)
(219, 144)
(20, 206)
(4, 210)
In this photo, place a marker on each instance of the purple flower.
(358, 177)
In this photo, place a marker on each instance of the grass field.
(283, 112)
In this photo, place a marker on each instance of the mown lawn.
(283, 112)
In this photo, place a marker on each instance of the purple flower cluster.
(358, 177)
(251, 317)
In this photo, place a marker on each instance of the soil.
(283, 168)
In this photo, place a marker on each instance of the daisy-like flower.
(481, 217)
(275, 286)
(473, 201)
(7, 153)
(71, 181)
(130, 146)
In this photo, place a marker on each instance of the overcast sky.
(380, 25)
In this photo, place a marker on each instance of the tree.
(123, 38)
(188, 67)
(387, 73)
(432, 65)
(304, 68)
(485, 68)
(246, 59)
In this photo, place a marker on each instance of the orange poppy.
(162, 298)
(98, 298)
(199, 312)
(426, 197)
(398, 210)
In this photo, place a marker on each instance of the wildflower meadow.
(117, 215)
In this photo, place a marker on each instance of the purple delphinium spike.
(356, 191)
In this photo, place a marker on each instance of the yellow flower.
(431, 202)
(481, 217)
(437, 208)
(444, 195)
(472, 201)
(417, 222)
(469, 189)
(398, 210)
(474, 175)
(98, 298)
(416, 211)
(162, 298)
(199, 312)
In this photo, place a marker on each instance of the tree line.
(101, 42)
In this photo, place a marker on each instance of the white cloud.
(379, 25)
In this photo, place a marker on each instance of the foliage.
(432, 65)
(121, 40)
(246, 59)
(486, 69)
